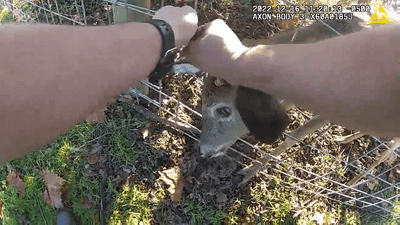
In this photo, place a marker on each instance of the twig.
(152, 116)
(349, 138)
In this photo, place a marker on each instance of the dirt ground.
(214, 183)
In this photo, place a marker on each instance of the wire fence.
(375, 184)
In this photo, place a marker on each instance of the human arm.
(353, 80)
(52, 77)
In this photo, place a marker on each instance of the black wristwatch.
(168, 46)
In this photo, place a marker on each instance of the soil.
(215, 182)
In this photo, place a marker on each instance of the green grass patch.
(123, 149)
(132, 206)
(62, 158)
(276, 199)
(5, 16)
(383, 217)
(201, 214)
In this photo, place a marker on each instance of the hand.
(182, 20)
(214, 47)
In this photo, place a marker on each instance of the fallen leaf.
(97, 117)
(377, 154)
(87, 202)
(119, 112)
(174, 179)
(52, 194)
(127, 99)
(93, 159)
(319, 217)
(392, 177)
(392, 157)
(372, 184)
(178, 189)
(221, 197)
(15, 182)
(145, 134)
(146, 130)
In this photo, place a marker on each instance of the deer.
(230, 112)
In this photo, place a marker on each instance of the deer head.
(230, 112)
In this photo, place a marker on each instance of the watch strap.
(167, 49)
(167, 35)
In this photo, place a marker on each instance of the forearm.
(353, 80)
(52, 77)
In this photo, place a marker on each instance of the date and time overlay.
(310, 12)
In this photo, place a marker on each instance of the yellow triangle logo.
(380, 16)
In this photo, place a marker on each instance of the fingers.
(199, 33)
(188, 9)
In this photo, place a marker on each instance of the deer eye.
(224, 111)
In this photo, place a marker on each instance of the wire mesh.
(379, 200)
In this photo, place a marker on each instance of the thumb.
(200, 33)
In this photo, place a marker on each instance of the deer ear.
(263, 115)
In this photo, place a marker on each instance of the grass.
(382, 218)
(66, 158)
(270, 203)
(123, 150)
(276, 199)
(132, 207)
(201, 214)
(5, 16)
(60, 158)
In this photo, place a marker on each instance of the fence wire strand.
(343, 193)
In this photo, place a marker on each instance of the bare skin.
(44, 98)
(52, 77)
(353, 80)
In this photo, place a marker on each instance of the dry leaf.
(146, 130)
(93, 159)
(178, 189)
(119, 112)
(127, 99)
(97, 117)
(392, 157)
(15, 182)
(87, 202)
(52, 194)
(175, 180)
(372, 184)
(392, 177)
(221, 197)
(319, 217)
